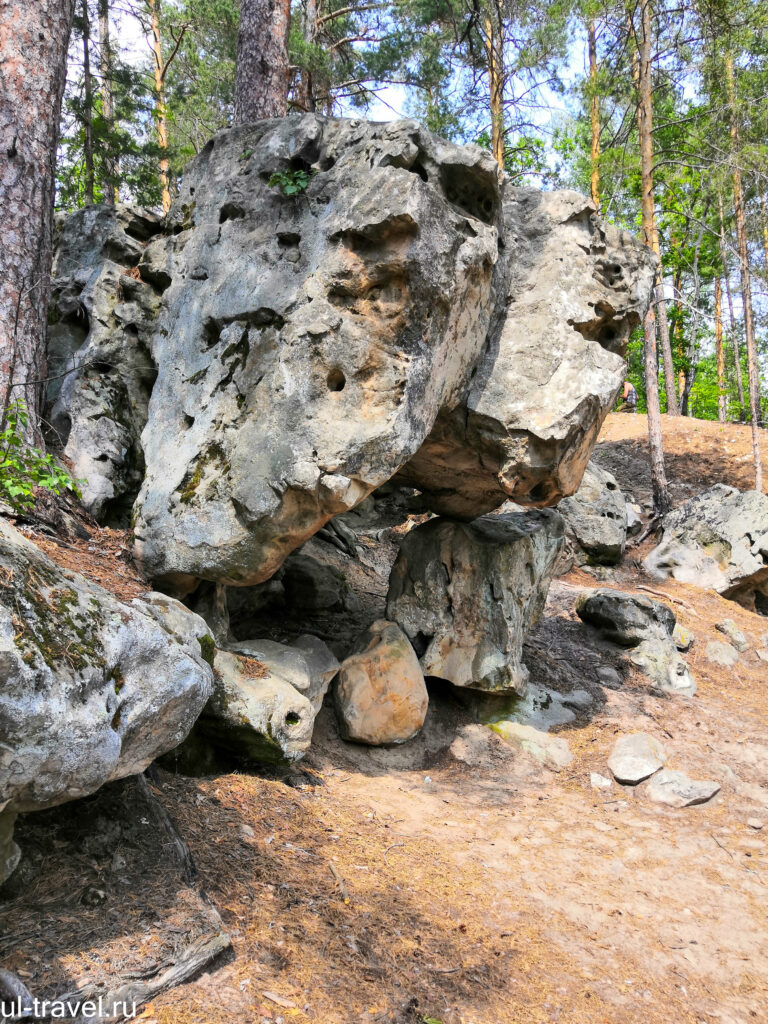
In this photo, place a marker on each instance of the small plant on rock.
(291, 183)
(22, 467)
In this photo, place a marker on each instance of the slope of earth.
(454, 879)
(697, 454)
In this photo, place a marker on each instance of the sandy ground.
(453, 879)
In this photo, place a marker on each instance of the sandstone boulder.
(467, 594)
(306, 343)
(635, 757)
(595, 520)
(569, 290)
(718, 540)
(93, 689)
(255, 712)
(102, 317)
(380, 694)
(646, 626)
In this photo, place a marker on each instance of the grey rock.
(762, 654)
(676, 790)
(718, 541)
(718, 653)
(595, 519)
(289, 389)
(659, 659)
(102, 322)
(311, 586)
(569, 291)
(729, 628)
(635, 757)
(579, 699)
(284, 662)
(551, 751)
(380, 694)
(322, 666)
(626, 619)
(598, 781)
(608, 676)
(10, 854)
(634, 522)
(93, 689)
(684, 638)
(467, 594)
(255, 711)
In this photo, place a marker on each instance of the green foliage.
(291, 183)
(22, 467)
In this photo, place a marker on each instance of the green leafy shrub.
(291, 183)
(22, 467)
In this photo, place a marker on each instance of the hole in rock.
(420, 169)
(292, 718)
(336, 380)
(231, 211)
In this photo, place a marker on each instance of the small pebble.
(755, 823)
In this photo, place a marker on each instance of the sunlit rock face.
(569, 290)
(307, 341)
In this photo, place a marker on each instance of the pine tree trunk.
(161, 110)
(90, 175)
(722, 397)
(731, 316)
(753, 375)
(645, 127)
(644, 71)
(495, 58)
(594, 118)
(262, 74)
(106, 70)
(306, 90)
(33, 41)
(661, 502)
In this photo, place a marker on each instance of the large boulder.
(569, 290)
(468, 593)
(718, 540)
(102, 316)
(266, 696)
(255, 713)
(648, 628)
(380, 694)
(93, 689)
(306, 342)
(595, 520)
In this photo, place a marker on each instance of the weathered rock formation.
(380, 693)
(92, 689)
(102, 318)
(595, 520)
(569, 291)
(645, 626)
(718, 540)
(467, 594)
(306, 343)
(408, 313)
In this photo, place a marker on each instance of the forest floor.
(453, 879)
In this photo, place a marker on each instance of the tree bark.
(262, 74)
(90, 174)
(661, 502)
(722, 397)
(753, 375)
(594, 117)
(161, 109)
(731, 317)
(650, 229)
(106, 70)
(33, 41)
(495, 57)
(306, 97)
(642, 70)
